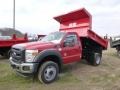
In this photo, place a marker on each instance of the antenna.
(14, 14)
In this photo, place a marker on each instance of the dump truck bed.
(95, 37)
(80, 21)
(89, 34)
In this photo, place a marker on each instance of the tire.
(7, 54)
(2, 54)
(94, 59)
(45, 70)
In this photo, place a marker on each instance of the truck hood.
(36, 45)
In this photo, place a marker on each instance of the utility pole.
(14, 14)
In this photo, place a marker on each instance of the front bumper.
(24, 68)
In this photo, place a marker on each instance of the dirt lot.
(77, 76)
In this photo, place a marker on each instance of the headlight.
(30, 55)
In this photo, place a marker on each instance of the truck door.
(71, 49)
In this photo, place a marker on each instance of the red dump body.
(80, 21)
(13, 41)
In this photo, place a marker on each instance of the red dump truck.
(74, 41)
(6, 42)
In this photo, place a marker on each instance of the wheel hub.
(98, 59)
(50, 73)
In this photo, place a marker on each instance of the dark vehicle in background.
(115, 43)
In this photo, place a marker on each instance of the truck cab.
(74, 41)
(59, 47)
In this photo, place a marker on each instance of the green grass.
(105, 78)
(10, 80)
(79, 76)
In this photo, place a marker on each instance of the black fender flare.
(40, 57)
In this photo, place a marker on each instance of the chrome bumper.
(26, 68)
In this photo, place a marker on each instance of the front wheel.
(48, 72)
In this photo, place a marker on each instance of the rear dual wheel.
(1, 54)
(48, 72)
(94, 59)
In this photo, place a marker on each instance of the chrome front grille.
(18, 55)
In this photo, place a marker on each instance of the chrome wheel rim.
(98, 59)
(50, 73)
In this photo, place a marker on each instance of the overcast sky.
(36, 16)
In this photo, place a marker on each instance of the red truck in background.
(6, 42)
(74, 41)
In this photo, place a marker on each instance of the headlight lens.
(30, 55)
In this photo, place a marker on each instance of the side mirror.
(69, 43)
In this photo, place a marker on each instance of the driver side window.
(70, 40)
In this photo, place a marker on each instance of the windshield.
(53, 37)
